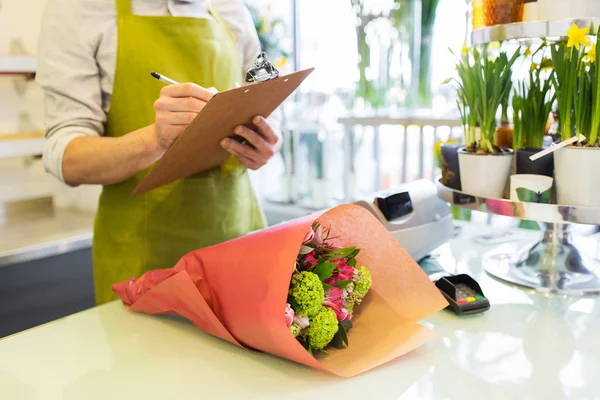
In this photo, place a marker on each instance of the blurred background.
(369, 118)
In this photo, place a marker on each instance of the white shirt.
(77, 59)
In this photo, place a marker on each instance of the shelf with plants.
(528, 85)
(548, 30)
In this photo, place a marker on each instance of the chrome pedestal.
(555, 263)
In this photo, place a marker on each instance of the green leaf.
(324, 270)
(305, 250)
(343, 284)
(347, 324)
(347, 252)
(327, 286)
(351, 262)
(337, 341)
(343, 333)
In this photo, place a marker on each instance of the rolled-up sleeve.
(70, 77)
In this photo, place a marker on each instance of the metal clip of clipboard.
(262, 70)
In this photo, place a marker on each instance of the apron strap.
(220, 21)
(123, 7)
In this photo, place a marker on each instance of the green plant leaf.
(351, 262)
(347, 324)
(347, 252)
(343, 284)
(343, 333)
(327, 286)
(337, 341)
(324, 270)
(305, 250)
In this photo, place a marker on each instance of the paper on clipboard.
(198, 148)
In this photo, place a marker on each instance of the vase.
(502, 11)
(541, 166)
(576, 176)
(550, 10)
(485, 175)
(450, 166)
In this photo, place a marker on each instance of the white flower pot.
(484, 175)
(577, 176)
(549, 10)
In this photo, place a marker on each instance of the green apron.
(154, 230)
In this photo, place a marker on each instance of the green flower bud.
(322, 328)
(307, 291)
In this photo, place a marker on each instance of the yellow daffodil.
(577, 36)
(591, 54)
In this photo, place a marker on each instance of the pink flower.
(340, 312)
(289, 315)
(309, 260)
(317, 239)
(334, 294)
(301, 321)
(309, 236)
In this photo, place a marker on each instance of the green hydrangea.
(362, 281)
(307, 292)
(322, 328)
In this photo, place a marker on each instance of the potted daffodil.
(578, 84)
(532, 104)
(484, 83)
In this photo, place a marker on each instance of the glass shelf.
(549, 30)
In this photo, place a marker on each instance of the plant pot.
(560, 9)
(504, 136)
(531, 188)
(577, 176)
(484, 175)
(541, 166)
(450, 167)
(502, 11)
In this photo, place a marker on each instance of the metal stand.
(553, 264)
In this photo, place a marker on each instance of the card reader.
(463, 294)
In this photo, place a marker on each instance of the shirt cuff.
(54, 148)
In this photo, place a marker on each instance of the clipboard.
(198, 148)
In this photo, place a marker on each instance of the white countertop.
(525, 347)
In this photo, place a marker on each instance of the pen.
(164, 79)
(170, 81)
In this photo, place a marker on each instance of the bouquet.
(281, 291)
(325, 287)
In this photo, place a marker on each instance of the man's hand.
(265, 143)
(176, 108)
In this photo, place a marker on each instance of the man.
(108, 121)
